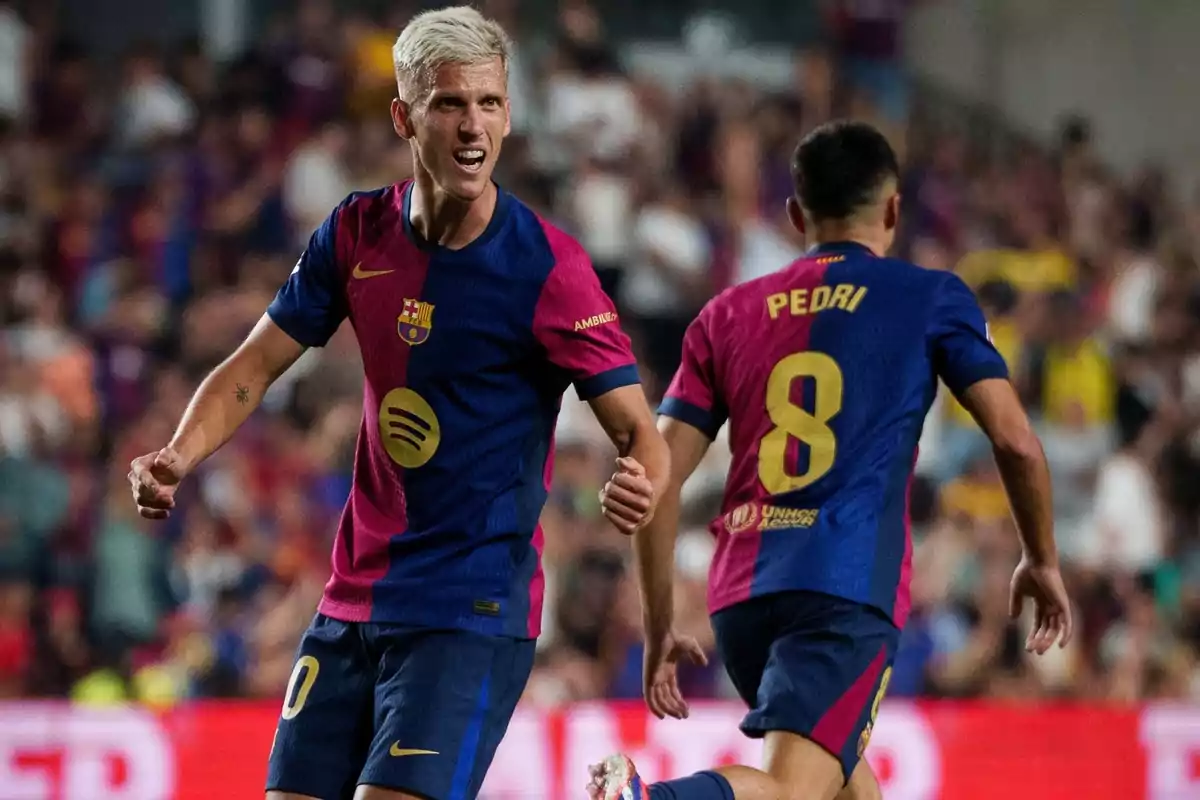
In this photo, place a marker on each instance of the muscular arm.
(231, 392)
(1022, 463)
(306, 311)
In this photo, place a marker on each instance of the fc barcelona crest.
(415, 321)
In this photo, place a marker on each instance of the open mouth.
(471, 158)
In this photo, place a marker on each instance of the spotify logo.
(408, 428)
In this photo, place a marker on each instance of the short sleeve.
(692, 396)
(311, 305)
(577, 324)
(963, 353)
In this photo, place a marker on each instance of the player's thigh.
(744, 633)
(821, 688)
(324, 728)
(443, 701)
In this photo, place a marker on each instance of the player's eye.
(491, 102)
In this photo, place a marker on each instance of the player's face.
(457, 127)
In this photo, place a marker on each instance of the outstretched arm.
(305, 313)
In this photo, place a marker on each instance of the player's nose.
(471, 127)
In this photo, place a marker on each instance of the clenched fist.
(628, 498)
(154, 478)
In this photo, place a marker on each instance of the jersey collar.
(826, 248)
(494, 225)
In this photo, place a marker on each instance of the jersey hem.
(344, 612)
(707, 422)
(485, 626)
(719, 604)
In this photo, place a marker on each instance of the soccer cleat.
(616, 778)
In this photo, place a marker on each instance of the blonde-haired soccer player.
(473, 316)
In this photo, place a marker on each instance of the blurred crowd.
(150, 208)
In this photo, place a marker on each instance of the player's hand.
(660, 675)
(628, 497)
(1043, 584)
(154, 478)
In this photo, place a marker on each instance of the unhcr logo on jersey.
(742, 518)
(760, 517)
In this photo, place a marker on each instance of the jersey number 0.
(793, 422)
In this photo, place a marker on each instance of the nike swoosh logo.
(361, 273)
(399, 752)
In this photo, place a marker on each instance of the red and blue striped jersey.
(466, 355)
(825, 371)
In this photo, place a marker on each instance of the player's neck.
(833, 233)
(448, 221)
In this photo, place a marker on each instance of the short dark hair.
(839, 166)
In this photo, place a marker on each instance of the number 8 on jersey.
(791, 421)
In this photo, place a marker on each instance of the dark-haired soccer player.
(473, 316)
(825, 371)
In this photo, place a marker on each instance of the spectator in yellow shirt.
(1039, 265)
(1073, 392)
(1071, 379)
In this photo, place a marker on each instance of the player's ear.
(507, 117)
(891, 213)
(795, 214)
(402, 118)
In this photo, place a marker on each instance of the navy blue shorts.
(410, 709)
(810, 664)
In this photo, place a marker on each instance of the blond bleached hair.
(456, 35)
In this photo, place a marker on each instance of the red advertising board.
(926, 751)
